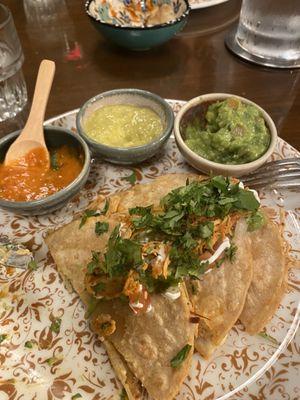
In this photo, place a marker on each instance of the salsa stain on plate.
(123, 125)
(29, 178)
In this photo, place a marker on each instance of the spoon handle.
(40, 98)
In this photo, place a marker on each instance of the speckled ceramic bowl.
(120, 28)
(198, 107)
(136, 97)
(55, 137)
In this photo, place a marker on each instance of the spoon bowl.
(32, 136)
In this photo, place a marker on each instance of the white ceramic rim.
(205, 3)
(210, 165)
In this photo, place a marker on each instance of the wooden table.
(193, 63)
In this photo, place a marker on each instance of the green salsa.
(123, 125)
(232, 133)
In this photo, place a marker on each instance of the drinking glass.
(268, 33)
(13, 93)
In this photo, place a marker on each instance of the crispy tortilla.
(269, 278)
(151, 339)
(219, 296)
(146, 343)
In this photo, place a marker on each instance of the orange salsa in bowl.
(30, 177)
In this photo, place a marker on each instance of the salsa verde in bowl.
(225, 134)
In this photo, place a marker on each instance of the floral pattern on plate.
(42, 363)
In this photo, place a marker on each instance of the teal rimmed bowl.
(139, 38)
(54, 137)
(136, 97)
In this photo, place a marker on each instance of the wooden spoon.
(32, 136)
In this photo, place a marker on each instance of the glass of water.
(268, 33)
(13, 93)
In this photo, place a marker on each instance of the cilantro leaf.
(246, 200)
(106, 207)
(123, 395)
(206, 230)
(121, 254)
(54, 165)
(55, 325)
(76, 396)
(94, 263)
(32, 265)
(181, 356)
(268, 337)
(131, 178)
(99, 287)
(3, 337)
(101, 227)
(52, 360)
(256, 221)
(92, 305)
(88, 214)
(220, 183)
(140, 210)
(231, 252)
(29, 344)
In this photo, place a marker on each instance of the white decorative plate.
(195, 4)
(29, 300)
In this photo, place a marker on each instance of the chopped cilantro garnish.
(185, 228)
(55, 325)
(268, 337)
(32, 265)
(88, 214)
(256, 221)
(181, 356)
(92, 305)
(94, 263)
(52, 360)
(105, 208)
(54, 161)
(123, 395)
(99, 287)
(121, 255)
(231, 252)
(3, 337)
(76, 396)
(93, 213)
(131, 178)
(101, 227)
(29, 344)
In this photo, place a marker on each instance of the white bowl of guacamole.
(224, 134)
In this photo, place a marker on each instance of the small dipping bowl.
(135, 97)
(121, 30)
(55, 137)
(197, 107)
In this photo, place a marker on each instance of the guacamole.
(232, 133)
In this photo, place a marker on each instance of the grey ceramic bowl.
(198, 106)
(55, 137)
(128, 155)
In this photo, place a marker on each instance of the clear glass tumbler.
(13, 92)
(268, 33)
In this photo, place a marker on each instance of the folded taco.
(160, 266)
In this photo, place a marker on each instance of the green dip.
(123, 125)
(233, 133)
